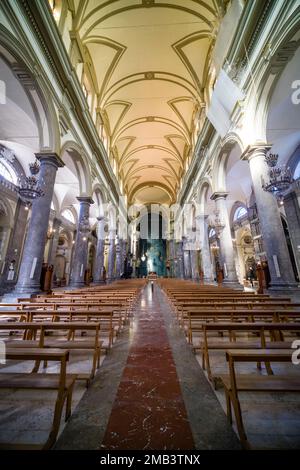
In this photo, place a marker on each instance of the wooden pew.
(63, 383)
(70, 342)
(235, 383)
(193, 322)
(262, 343)
(111, 321)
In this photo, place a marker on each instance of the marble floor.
(150, 393)
(149, 411)
(26, 415)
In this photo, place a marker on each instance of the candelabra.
(30, 188)
(280, 177)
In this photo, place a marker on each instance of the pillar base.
(13, 296)
(27, 290)
(292, 287)
(76, 285)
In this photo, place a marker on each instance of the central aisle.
(149, 411)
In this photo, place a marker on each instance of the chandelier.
(217, 224)
(280, 177)
(29, 188)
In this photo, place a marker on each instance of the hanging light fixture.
(280, 177)
(30, 188)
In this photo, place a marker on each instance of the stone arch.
(20, 63)
(204, 187)
(284, 48)
(112, 217)
(71, 151)
(221, 159)
(99, 197)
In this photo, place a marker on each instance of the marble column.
(124, 253)
(118, 259)
(292, 212)
(80, 254)
(99, 261)
(33, 252)
(226, 246)
(54, 241)
(8, 278)
(205, 250)
(281, 272)
(186, 260)
(111, 255)
(180, 262)
(172, 256)
(194, 264)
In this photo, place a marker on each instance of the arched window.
(8, 173)
(68, 215)
(240, 213)
(212, 233)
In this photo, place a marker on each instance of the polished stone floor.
(149, 411)
(150, 393)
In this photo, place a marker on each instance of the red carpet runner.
(149, 412)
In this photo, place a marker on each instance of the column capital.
(260, 148)
(51, 158)
(219, 195)
(85, 199)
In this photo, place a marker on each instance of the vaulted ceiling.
(151, 61)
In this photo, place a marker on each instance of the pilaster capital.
(50, 158)
(256, 150)
(219, 195)
(85, 200)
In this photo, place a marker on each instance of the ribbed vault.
(150, 62)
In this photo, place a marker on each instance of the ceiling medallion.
(149, 75)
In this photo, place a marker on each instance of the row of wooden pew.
(247, 328)
(49, 328)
